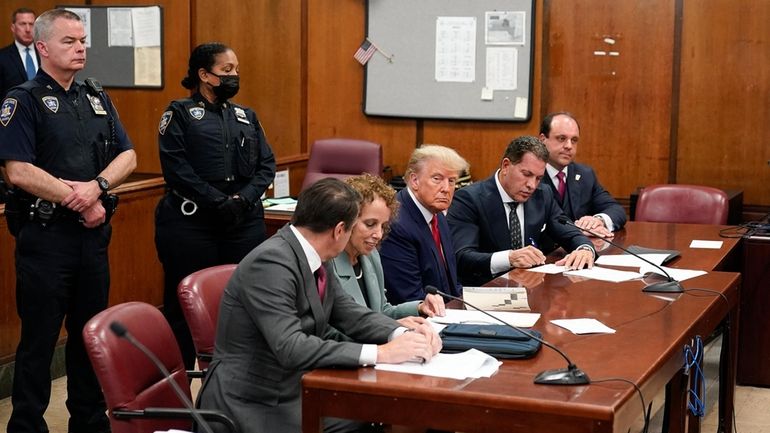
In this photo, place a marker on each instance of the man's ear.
(41, 48)
(339, 230)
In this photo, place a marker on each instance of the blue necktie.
(30, 64)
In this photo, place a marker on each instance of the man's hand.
(433, 305)
(94, 216)
(83, 195)
(595, 224)
(411, 322)
(578, 259)
(526, 257)
(409, 346)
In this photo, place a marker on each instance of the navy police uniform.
(62, 271)
(208, 153)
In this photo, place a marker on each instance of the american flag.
(365, 52)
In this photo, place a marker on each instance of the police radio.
(95, 88)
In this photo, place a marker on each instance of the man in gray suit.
(277, 310)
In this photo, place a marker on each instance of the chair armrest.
(176, 413)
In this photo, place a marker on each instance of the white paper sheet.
(469, 364)
(714, 245)
(522, 320)
(455, 49)
(675, 273)
(584, 326)
(497, 298)
(548, 269)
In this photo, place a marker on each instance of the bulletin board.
(450, 59)
(124, 45)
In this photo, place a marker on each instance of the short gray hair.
(446, 155)
(44, 23)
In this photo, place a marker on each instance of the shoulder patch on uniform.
(51, 102)
(165, 119)
(197, 112)
(7, 110)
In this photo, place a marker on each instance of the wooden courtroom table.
(646, 349)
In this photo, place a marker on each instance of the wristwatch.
(104, 185)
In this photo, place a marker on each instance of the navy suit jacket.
(410, 258)
(586, 196)
(12, 70)
(480, 227)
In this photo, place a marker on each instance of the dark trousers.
(62, 275)
(189, 243)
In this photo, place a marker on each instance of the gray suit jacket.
(374, 280)
(269, 333)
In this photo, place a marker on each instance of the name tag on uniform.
(240, 115)
(96, 104)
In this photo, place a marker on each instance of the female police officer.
(216, 163)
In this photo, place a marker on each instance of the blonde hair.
(446, 155)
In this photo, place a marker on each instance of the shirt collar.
(428, 215)
(552, 171)
(503, 195)
(313, 259)
(22, 48)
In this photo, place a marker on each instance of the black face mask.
(228, 86)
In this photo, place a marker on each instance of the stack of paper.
(469, 364)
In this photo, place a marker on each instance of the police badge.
(7, 110)
(165, 119)
(240, 115)
(96, 104)
(51, 103)
(197, 112)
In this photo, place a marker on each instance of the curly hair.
(370, 187)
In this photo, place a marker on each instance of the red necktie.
(320, 280)
(562, 187)
(436, 236)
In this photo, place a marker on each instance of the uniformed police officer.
(217, 163)
(63, 148)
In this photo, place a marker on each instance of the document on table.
(548, 269)
(675, 273)
(469, 364)
(628, 260)
(714, 245)
(497, 298)
(584, 326)
(605, 274)
(522, 320)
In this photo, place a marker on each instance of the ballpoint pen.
(532, 242)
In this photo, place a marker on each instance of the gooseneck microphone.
(571, 375)
(669, 286)
(120, 330)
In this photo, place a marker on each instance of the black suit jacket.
(12, 70)
(480, 228)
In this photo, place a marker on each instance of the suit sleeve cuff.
(607, 221)
(499, 262)
(368, 355)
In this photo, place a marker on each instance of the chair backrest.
(682, 204)
(129, 380)
(200, 294)
(342, 158)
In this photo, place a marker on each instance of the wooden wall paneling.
(336, 28)
(266, 35)
(140, 109)
(483, 143)
(623, 102)
(9, 320)
(725, 97)
(136, 272)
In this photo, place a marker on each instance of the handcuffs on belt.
(186, 202)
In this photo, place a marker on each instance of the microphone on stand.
(120, 330)
(571, 375)
(669, 286)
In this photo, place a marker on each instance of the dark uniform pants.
(62, 274)
(189, 243)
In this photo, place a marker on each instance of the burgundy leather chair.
(682, 204)
(138, 396)
(342, 158)
(199, 296)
